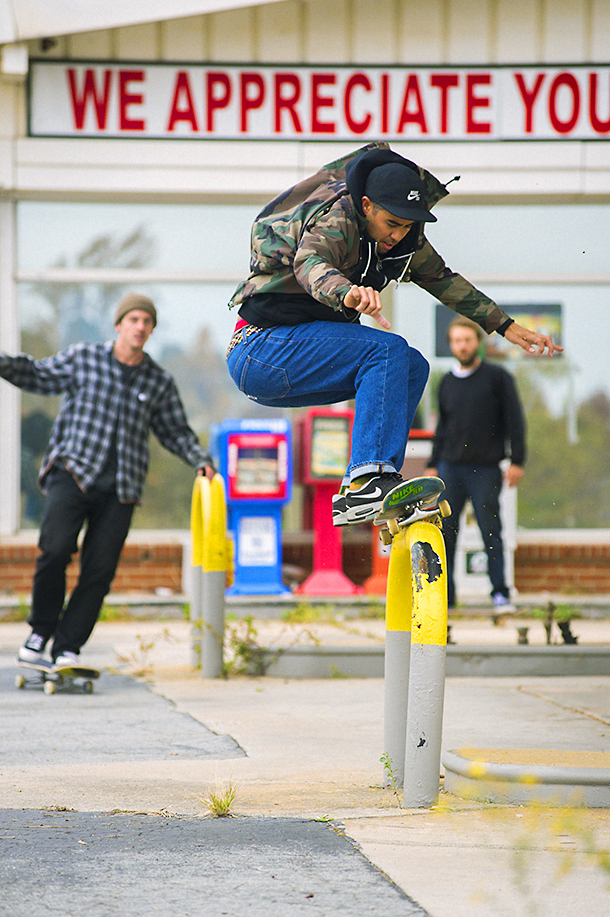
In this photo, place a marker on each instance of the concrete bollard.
(196, 572)
(396, 659)
(214, 567)
(209, 551)
(427, 666)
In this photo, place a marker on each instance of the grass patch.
(219, 802)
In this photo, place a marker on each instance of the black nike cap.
(399, 190)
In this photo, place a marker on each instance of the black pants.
(482, 484)
(66, 510)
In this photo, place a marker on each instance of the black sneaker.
(33, 649)
(362, 505)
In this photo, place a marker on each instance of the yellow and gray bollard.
(209, 558)
(397, 659)
(196, 572)
(427, 665)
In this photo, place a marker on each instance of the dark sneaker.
(339, 508)
(501, 603)
(362, 505)
(33, 649)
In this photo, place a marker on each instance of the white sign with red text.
(174, 101)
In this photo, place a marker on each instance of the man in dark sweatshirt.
(480, 423)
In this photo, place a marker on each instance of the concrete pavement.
(299, 750)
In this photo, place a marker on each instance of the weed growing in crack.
(390, 777)
(219, 802)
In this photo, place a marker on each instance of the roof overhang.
(21, 20)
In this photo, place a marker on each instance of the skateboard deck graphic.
(52, 678)
(409, 502)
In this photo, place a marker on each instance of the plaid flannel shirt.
(97, 403)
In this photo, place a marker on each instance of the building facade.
(134, 156)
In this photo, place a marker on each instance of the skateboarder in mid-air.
(321, 253)
(94, 468)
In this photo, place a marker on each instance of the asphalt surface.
(57, 861)
(103, 812)
(69, 863)
(123, 720)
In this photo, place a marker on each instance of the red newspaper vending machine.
(325, 443)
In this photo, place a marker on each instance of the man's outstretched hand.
(531, 342)
(368, 301)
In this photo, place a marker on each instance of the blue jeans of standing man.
(327, 362)
(482, 485)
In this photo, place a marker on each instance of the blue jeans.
(480, 484)
(327, 362)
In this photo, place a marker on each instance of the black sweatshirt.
(480, 419)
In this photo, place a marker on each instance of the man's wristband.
(504, 326)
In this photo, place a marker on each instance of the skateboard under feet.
(409, 502)
(54, 678)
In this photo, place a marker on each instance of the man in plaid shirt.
(94, 467)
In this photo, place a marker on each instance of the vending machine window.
(330, 446)
(257, 466)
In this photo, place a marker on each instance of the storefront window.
(537, 258)
(77, 260)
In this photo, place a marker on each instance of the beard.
(469, 360)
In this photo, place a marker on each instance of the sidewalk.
(310, 749)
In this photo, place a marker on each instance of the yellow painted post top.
(209, 524)
(398, 608)
(197, 520)
(429, 579)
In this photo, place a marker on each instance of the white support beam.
(9, 396)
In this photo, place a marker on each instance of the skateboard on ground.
(53, 677)
(409, 502)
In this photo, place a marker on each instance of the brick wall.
(577, 569)
(143, 568)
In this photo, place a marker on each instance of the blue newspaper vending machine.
(255, 459)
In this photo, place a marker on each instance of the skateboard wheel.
(88, 687)
(50, 687)
(386, 537)
(444, 508)
(393, 526)
(20, 681)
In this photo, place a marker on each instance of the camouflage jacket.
(312, 239)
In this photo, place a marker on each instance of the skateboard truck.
(411, 501)
(432, 514)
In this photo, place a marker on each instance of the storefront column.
(9, 396)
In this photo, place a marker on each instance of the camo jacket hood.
(312, 239)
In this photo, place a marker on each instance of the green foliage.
(303, 613)
(566, 485)
(335, 672)
(246, 655)
(391, 777)
(166, 499)
(20, 613)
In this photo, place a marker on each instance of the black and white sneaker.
(33, 649)
(66, 660)
(362, 505)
